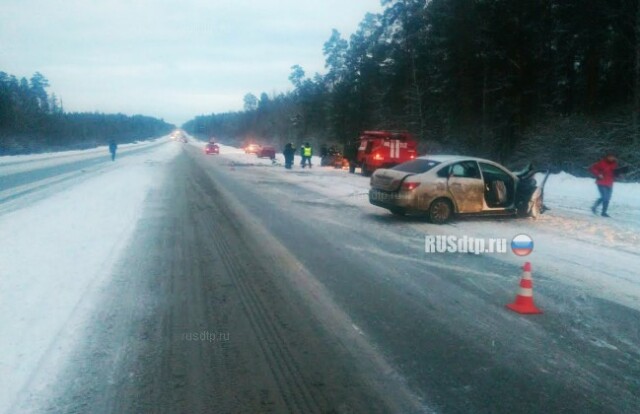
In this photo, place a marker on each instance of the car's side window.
(491, 173)
(457, 170)
(465, 169)
(444, 172)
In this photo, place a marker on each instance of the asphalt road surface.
(242, 294)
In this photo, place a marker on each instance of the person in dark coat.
(351, 154)
(113, 146)
(605, 173)
(289, 153)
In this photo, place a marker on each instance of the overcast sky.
(169, 59)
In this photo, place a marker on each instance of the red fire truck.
(384, 149)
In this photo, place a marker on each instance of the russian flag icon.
(522, 245)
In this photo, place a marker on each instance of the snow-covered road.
(437, 323)
(444, 314)
(598, 255)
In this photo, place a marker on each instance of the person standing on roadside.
(605, 173)
(351, 154)
(306, 153)
(113, 147)
(288, 152)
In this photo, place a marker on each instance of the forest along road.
(241, 293)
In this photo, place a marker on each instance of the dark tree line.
(31, 120)
(499, 78)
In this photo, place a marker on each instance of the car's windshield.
(418, 166)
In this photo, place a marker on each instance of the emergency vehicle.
(384, 149)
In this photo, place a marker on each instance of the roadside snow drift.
(56, 254)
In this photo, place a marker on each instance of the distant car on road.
(331, 157)
(252, 149)
(445, 185)
(211, 149)
(266, 152)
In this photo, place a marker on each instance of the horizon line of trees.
(32, 120)
(504, 79)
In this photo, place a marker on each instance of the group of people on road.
(289, 152)
(306, 152)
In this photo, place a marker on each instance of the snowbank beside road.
(571, 199)
(572, 192)
(55, 256)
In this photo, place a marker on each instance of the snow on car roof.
(450, 158)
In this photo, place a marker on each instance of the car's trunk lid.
(388, 180)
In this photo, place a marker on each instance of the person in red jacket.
(605, 173)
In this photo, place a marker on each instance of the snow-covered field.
(56, 254)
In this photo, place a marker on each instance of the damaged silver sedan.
(446, 185)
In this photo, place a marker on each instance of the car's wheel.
(440, 211)
(398, 211)
(365, 170)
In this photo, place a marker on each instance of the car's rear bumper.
(390, 199)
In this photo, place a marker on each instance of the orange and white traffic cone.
(524, 298)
